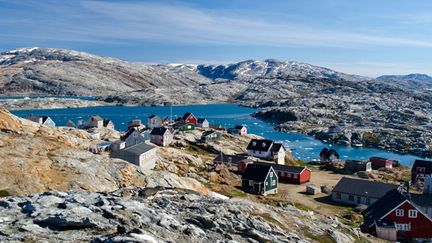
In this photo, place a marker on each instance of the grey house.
(142, 155)
(154, 121)
(353, 166)
(42, 120)
(359, 191)
(209, 136)
(133, 137)
(161, 136)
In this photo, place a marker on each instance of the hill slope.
(413, 81)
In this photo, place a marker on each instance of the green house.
(183, 127)
(209, 136)
(260, 179)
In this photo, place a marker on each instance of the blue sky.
(367, 37)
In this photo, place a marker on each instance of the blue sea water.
(302, 146)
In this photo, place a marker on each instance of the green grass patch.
(233, 193)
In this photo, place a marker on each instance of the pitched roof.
(422, 200)
(201, 120)
(153, 116)
(159, 131)
(363, 187)
(380, 208)
(422, 163)
(259, 144)
(326, 153)
(186, 115)
(139, 149)
(44, 118)
(239, 127)
(256, 172)
(96, 118)
(277, 146)
(106, 122)
(129, 132)
(284, 168)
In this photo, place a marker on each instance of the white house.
(267, 149)
(202, 122)
(142, 155)
(154, 121)
(359, 191)
(42, 120)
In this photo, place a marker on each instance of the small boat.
(357, 145)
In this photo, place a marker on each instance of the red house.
(408, 222)
(378, 162)
(420, 169)
(286, 173)
(188, 118)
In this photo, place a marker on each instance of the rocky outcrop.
(157, 215)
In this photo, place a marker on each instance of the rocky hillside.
(414, 81)
(36, 158)
(153, 215)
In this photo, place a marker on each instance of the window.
(400, 212)
(251, 183)
(271, 173)
(273, 182)
(358, 199)
(338, 195)
(421, 169)
(295, 176)
(288, 175)
(403, 227)
(351, 197)
(412, 213)
(367, 201)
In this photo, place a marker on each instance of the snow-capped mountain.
(414, 80)
(270, 68)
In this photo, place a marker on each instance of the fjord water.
(302, 146)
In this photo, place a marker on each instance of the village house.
(154, 121)
(291, 174)
(424, 200)
(353, 166)
(203, 123)
(118, 145)
(42, 120)
(184, 127)
(238, 130)
(188, 118)
(210, 136)
(70, 123)
(132, 137)
(267, 149)
(142, 155)
(420, 169)
(397, 217)
(136, 124)
(328, 155)
(260, 179)
(95, 122)
(161, 136)
(378, 162)
(108, 124)
(359, 191)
